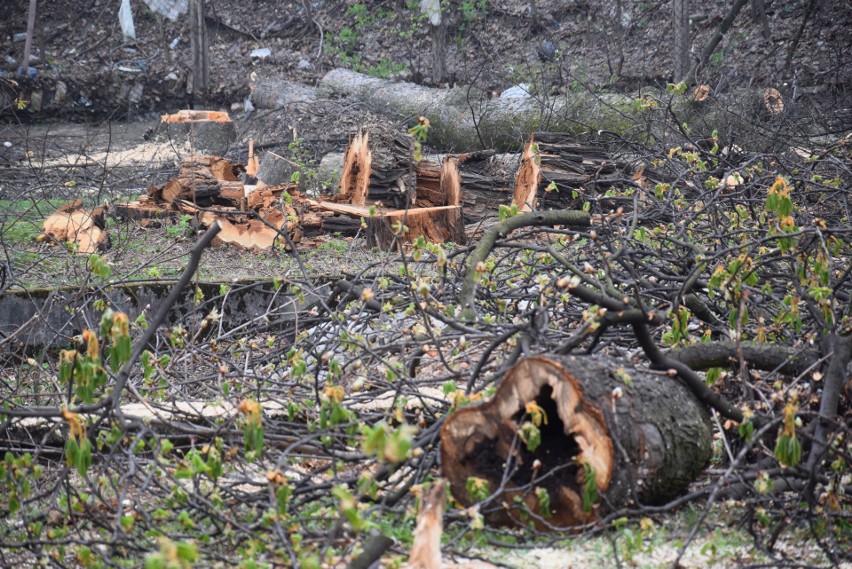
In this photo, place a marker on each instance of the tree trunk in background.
(758, 14)
(682, 40)
(438, 32)
(198, 35)
(28, 44)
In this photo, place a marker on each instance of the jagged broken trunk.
(642, 436)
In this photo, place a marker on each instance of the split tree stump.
(378, 167)
(575, 170)
(644, 435)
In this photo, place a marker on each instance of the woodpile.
(566, 440)
(384, 192)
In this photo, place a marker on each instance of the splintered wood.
(557, 172)
(377, 167)
(84, 229)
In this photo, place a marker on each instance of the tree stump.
(378, 167)
(642, 436)
(441, 224)
(556, 172)
(204, 132)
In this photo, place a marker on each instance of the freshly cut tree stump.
(643, 437)
(378, 167)
(557, 172)
(205, 132)
(85, 229)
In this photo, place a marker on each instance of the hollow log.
(378, 168)
(558, 172)
(643, 438)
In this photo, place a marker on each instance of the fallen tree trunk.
(465, 117)
(641, 437)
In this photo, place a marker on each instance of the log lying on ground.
(85, 229)
(378, 168)
(557, 172)
(644, 437)
(466, 118)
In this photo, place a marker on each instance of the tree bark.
(708, 50)
(28, 42)
(198, 42)
(682, 38)
(642, 436)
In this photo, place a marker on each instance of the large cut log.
(378, 168)
(612, 436)
(84, 229)
(558, 172)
